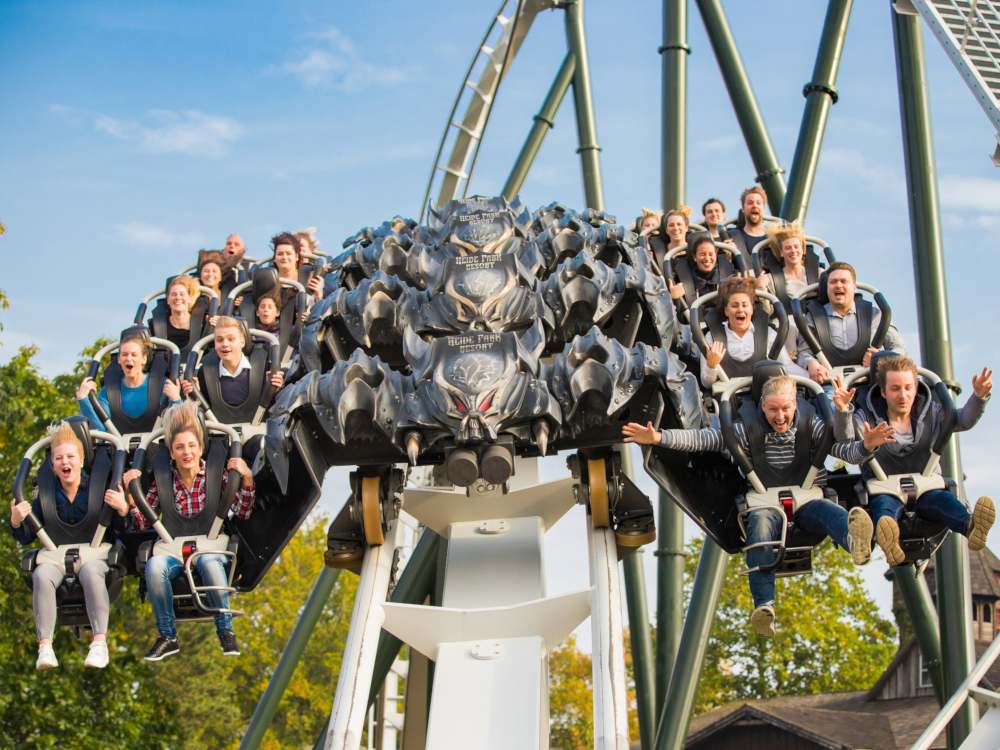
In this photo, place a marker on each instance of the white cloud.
(137, 233)
(165, 131)
(336, 62)
(970, 193)
(855, 164)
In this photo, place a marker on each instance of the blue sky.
(133, 134)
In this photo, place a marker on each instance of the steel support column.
(544, 122)
(673, 185)
(675, 716)
(920, 607)
(415, 584)
(642, 647)
(586, 127)
(952, 562)
(820, 94)
(769, 171)
(263, 714)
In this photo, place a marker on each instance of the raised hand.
(278, 379)
(842, 397)
(87, 386)
(187, 387)
(715, 354)
(315, 286)
(116, 499)
(241, 466)
(982, 383)
(880, 434)
(18, 512)
(867, 359)
(171, 390)
(644, 435)
(817, 372)
(676, 290)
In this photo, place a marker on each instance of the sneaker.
(983, 516)
(887, 536)
(163, 648)
(859, 530)
(762, 620)
(46, 657)
(98, 656)
(228, 641)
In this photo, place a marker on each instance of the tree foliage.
(830, 635)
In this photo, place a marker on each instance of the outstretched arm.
(972, 410)
(689, 441)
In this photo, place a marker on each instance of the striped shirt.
(190, 502)
(779, 447)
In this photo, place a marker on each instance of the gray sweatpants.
(46, 579)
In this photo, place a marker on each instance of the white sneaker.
(98, 656)
(46, 658)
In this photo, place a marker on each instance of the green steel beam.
(952, 563)
(673, 179)
(675, 717)
(673, 64)
(642, 647)
(544, 122)
(267, 706)
(415, 584)
(920, 607)
(820, 94)
(769, 171)
(586, 126)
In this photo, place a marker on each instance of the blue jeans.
(162, 569)
(764, 525)
(937, 506)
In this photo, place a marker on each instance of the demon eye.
(486, 403)
(458, 404)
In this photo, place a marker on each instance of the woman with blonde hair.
(72, 501)
(185, 441)
(787, 243)
(182, 294)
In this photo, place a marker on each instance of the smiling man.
(844, 329)
(777, 439)
(752, 202)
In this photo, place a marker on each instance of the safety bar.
(197, 591)
(802, 323)
(232, 482)
(947, 401)
(727, 247)
(777, 545)
(173, 374)
(733, 445)
(24, 468)
(235, 292)
(777, 311)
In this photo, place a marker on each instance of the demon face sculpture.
(486, 334)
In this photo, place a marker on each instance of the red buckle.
(188, 549)
(788, 503)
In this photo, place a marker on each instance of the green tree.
(70, 706)
(830, 636)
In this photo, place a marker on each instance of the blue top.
(70, 512)
(133, 403)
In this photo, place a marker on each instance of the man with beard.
(843, 328)
(752, 202)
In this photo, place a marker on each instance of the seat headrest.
(265, 280)
(81, 428)
(762, 372)
(821, 292)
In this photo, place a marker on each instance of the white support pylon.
(350, 704)
(606, 627)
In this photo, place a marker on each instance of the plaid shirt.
(190, 502)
